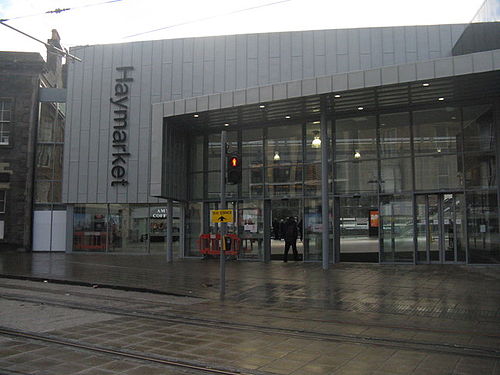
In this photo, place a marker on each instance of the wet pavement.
(350, 319)
(468, 292)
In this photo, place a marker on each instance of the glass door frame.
(441, 230)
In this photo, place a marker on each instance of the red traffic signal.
(233, 175)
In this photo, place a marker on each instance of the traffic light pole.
(223, 206)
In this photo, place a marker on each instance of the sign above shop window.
(120, 109)
(159, 213)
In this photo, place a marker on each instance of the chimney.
(54, 59)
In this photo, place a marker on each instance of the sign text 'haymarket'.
(120, 132)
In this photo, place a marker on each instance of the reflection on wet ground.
(423, 290)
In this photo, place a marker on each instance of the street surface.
(284, 319)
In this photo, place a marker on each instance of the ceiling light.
(196, 115)
(357, 155)
(440, 99)
(226, 124)
(337, 96)
(316, 142)
(360, 108)
(262, 106)
(287, 116)
(316, 122)
(425, 84)
(276, 156)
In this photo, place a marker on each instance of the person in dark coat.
(282, 229)
(290, 237)
(276, 229)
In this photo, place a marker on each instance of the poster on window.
(374, 219)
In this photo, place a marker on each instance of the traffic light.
(233, 175)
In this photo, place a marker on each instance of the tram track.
(157, 304)
(194, 368)
(426, 346)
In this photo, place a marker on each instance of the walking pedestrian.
(290, 236)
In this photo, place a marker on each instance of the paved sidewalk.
(420, 306)
(468, 292)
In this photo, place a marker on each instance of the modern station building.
(382, 142)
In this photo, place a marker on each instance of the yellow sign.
(221, 216)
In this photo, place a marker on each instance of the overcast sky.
(115, 21)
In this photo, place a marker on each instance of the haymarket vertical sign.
(120, 107)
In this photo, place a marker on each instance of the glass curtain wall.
(49, 212)
(443, 160)
(390, 174)
(479, 173)
(278, 162)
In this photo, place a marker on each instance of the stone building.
(22, 76)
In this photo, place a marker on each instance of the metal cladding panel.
(263, 53)
(241, 61)
(175, 155)
(219, 64)
(186, 68)
(354, 50)
(308, 54)
(285, 57)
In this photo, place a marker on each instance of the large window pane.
(196, 185)
(58, 161)
(312, 179)
(284, 180)
(284, 144)
(44, 161)
(196, 154)
(313, 141)
(58, 134)
(214, 148)
(396, 217)
(480, 170)
(438, 172)
(356, 177)
(436, 131)
(250, 229)
(90, 227)
(479, 128)
(158, 229)
(252, 185)
(482, 227)
(394, 135)
(213, 189)
(356, 138)
(194, 228)
(396, 175)
(358, 232)
(48, 113)
(252, 148)
(313, 230)
(128, 231)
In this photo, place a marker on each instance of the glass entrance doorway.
(440, 228)
(359, 229)
(281, 212)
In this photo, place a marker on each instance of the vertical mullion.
(455, 237)
(379, 180)
(427, 230)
